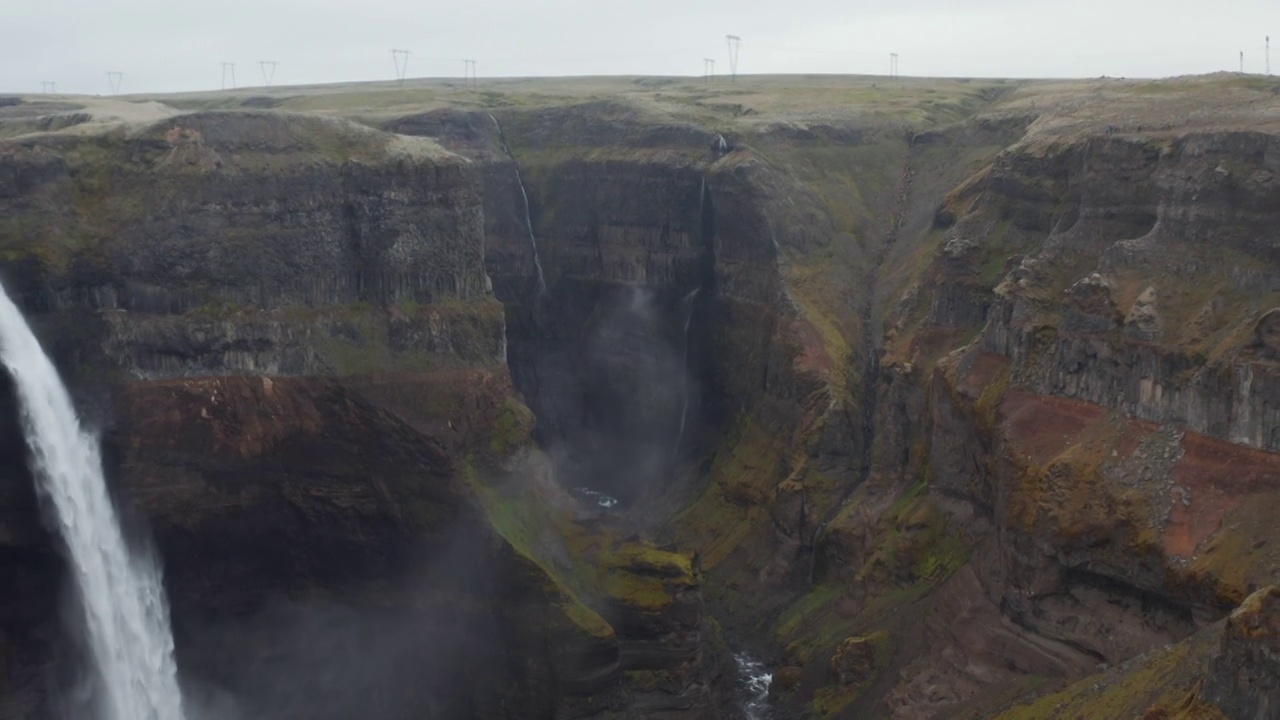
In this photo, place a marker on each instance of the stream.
(754, 680)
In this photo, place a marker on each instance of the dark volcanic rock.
(251, 242)
(1244, 678)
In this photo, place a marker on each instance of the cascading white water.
(754, 680)
(125, 612)
(684, 369)
(528, 216)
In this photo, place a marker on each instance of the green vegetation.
(521, 520)
(830, 700)
(720, 523)
(1163, 679)
(512, 428)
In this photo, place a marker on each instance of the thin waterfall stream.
(126, 614)
(528, 215)
(684, 369)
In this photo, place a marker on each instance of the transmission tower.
(469, 73)
(268, 71)
(1268, 54)
(708, 69)
(1241, 62)
(48, 87)
(115, 78)
(893, 66)
(733, 41)
(228, 69)
(401, 59)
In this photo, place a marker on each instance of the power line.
(1268, 54)
(401, 59)
(228, 68)
(733, 41)
(48, 87)
(469, 73)
(268, 68)
(708, 69)
(114, 79)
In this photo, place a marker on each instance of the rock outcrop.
(1244, 677)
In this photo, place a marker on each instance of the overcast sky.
(171, 45)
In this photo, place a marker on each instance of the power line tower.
(228, 69)
(469, 73)
(401, 59)
(893, 66)
(1241, 62)
(48, 87)
(708, 69)
(268, 68)
(733, 41)
(1268, 54)
(114, 79)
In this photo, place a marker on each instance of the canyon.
(545, 399)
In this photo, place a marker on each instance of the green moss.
(642, 576)
(1164, 678)
(831, 700)
(512, 427)
(743, 474)
(524, 522)
(650, 560)
(809, 605)
(916, 537)
(356, 339)
(636, 590)
(583, 616)
(988, 404)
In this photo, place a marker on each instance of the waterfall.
(126, 615)
(528, 218)
(684, 369)
(754, 681)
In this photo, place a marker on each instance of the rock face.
(1244, 678)
(1041, 448)
(942, 412)
(287, 326)
(659, 277)
(1101, 399)
(252, 243)
(300, 484)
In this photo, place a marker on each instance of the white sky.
(172, 45)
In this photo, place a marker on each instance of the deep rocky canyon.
(947, 399)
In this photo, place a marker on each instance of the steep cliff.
(1075, 389)
(947, 395)
(286, 327)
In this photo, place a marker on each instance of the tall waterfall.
(528, 214)
(126, 615)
